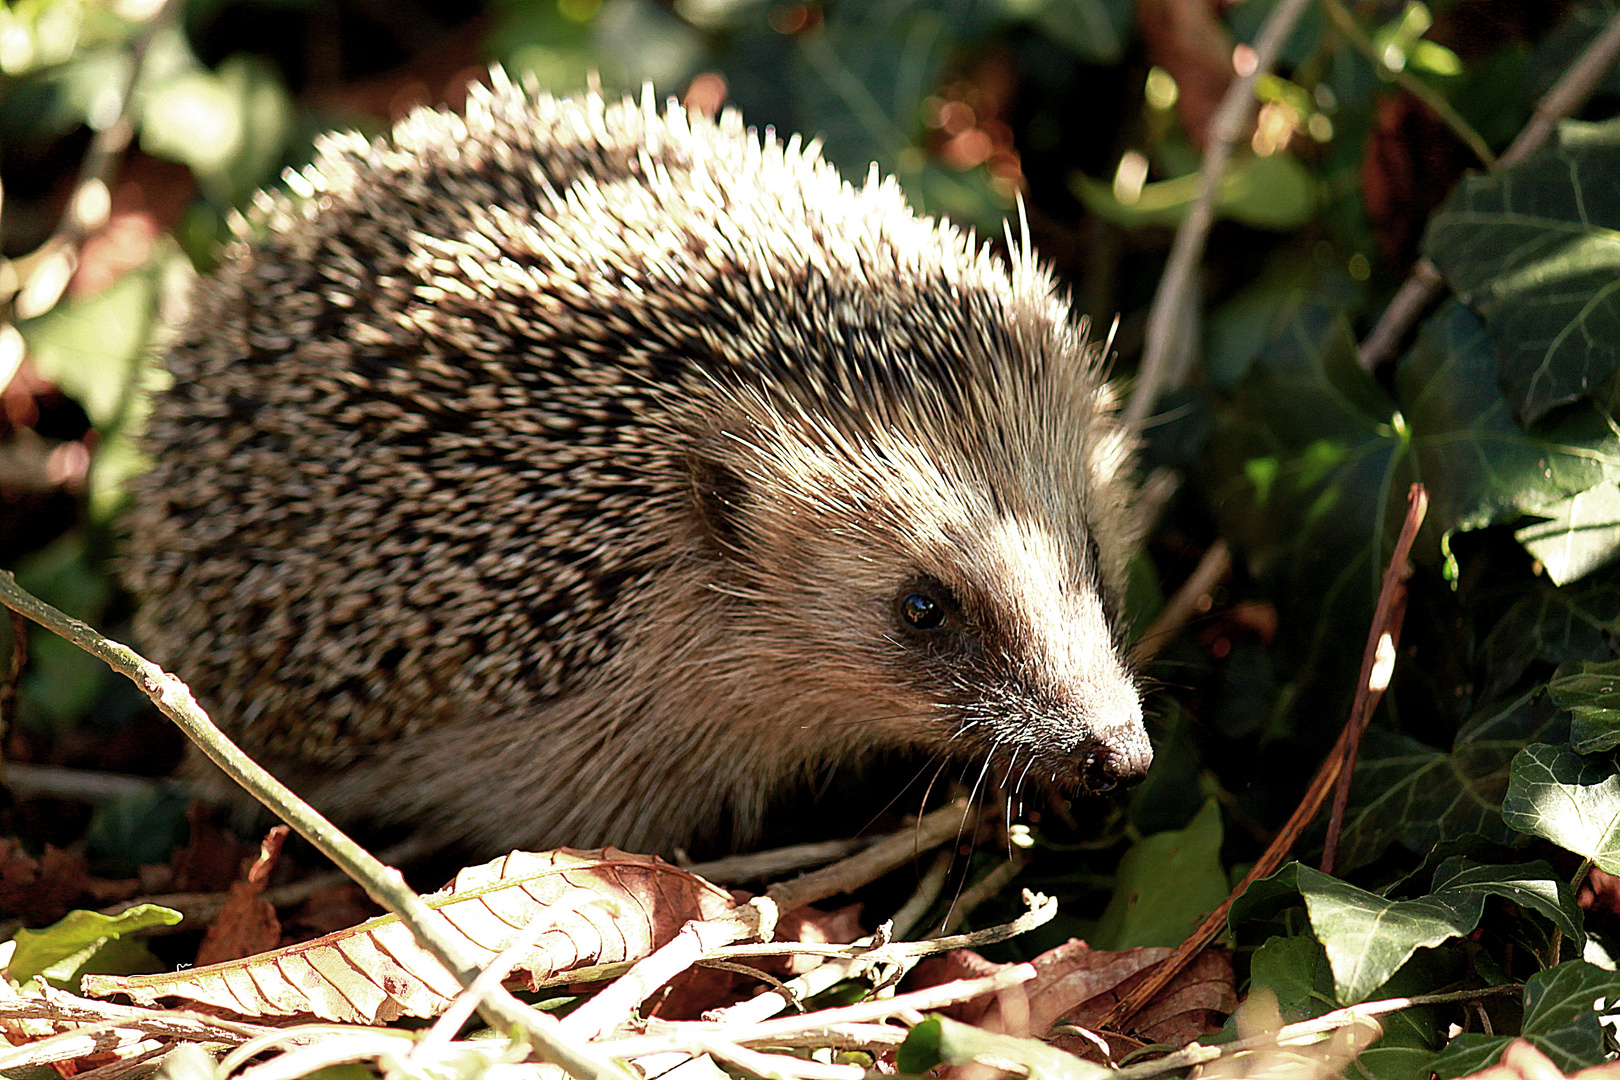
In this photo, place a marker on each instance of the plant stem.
(384, 884)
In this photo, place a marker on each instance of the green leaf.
(1532, 885)
(1479, 465)
(1165, 886)
(1411, 793)
(1581, 533)
(1591, 692)
(1468, 1054)
(1555, 626)
(1571, 800)
(1274, 192)
(1561, 1019)
(89, 347)
(1367, 937)
(1535, 250)
(1295, 970)
(939, 1039)
(1392, 1063)
(83, 942)
(230, 127)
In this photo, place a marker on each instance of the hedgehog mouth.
(1090, 767)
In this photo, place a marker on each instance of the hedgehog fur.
(579, 472)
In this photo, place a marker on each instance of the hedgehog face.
(919, 615)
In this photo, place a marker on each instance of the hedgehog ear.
(719, 493)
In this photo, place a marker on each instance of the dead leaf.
(39, 891)
(1076, 985)
(695, 992)
(375, 972)
(247, 923)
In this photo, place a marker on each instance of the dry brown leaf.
(375, 972)
(247, 923)
(1077, 985)
(39, 891)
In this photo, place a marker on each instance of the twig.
(933, 997)
(762, 865)
(54, 780)
(1382, 642)
(922, 898)
(862, 955)
(1041, 910)
(1230, 122)
(931, 830)
(983, 889)
(1304, 1031)
(1303, 815)
(1422, 287)
(1187, 599)
(695, 941)
(1436, 102)
(384, 884)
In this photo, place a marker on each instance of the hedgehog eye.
(921, 611)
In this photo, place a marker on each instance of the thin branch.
(984, 889)
(384, 884)
(1381, 642)
(1303, 815)
(1175, 287)
(931, 830)
(1423, 285)
(1305, 1030)
(1187, 599)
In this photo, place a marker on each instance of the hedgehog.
(570, 471)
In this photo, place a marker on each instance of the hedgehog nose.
(1102, 768)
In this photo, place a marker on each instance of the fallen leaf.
(1076, 985)
(39, 891)
(247, 923)
(376, 972)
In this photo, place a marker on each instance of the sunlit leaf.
(1573, 801)
(86, 941)
(1581, 533)
(1535, 249)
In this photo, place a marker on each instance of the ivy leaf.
(1368, 937)
(1573, 801)
(1535, 249)
(1581, 533)
(1560, 1020)
(1414, 794)
(1533, 886)
(1591, 692)
(1165, 886)
(1553, 625)
(1481, 467)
